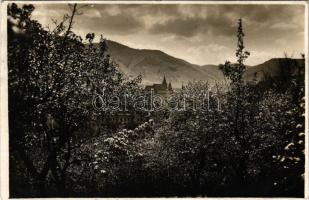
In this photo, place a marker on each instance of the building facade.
(163, 88)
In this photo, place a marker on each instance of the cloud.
(183, 27)
(94, 13)
(119, 24)
(175, 28)
(211, 53)
(192, 26)
(221, 19)
(285, 26)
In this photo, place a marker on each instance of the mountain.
(154, 64)
(273, 67)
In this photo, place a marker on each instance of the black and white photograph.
(155, 99)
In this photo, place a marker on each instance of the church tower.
(164, 83)
(170, 86)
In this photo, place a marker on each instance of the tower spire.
(170, 86)
(164, 81)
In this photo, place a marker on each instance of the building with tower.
(163, 88)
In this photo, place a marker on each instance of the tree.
(235, 72)
(51, 96)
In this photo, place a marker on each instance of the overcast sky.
(200, 34)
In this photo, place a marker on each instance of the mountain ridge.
(153, 64)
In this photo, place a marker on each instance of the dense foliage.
(252, 146)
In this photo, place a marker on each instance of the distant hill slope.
(272, 68)
(154, 64)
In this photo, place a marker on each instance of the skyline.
(198, 33)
